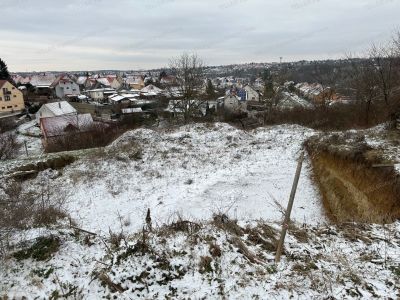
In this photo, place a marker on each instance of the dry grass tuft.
(226, 224)
(205, 264)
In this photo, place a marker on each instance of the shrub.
(21, 209)
(337, 117)
(7, 124)
(9, 146)
(42, 249)
(205, 264)
(98, 135)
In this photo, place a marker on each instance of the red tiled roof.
(2, 82)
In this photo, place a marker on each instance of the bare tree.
(189, 71)
(386, 62)
(363, 80)
(9, 146)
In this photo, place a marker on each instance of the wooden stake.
(286, 221)
(26, 148)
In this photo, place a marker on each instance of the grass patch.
(42, 249)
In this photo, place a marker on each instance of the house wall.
(231, 103)
(136, 86)
(43, 112)
(252, 94)
(66, 88)
(11, 99)
(97, 95)
(115, 84)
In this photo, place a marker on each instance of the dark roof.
(56, 126)
(2, 82)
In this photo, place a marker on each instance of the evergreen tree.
(210, 89)
(269, 91)
(4, 74)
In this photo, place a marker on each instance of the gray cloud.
(132, 34)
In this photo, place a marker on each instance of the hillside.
(216, 195)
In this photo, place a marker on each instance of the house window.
(7, 98)
(9, 106)
(1, 99)
(3, 107)
(15, 96)
(15, 105)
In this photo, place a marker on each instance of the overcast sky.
(38, 35)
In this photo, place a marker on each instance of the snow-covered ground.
(191, 173)
(195, 171)
(29, 133)
(352, 261)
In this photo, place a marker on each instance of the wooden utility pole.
(26, 148)
(286, 221)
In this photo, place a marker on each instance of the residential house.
(135, 82)
(259, 83)
(242, 94)
(109, 82)
(11, 98)
(150, 91)
(43, 91)
(53, 127)
(316, 92)
(173, 92)
(115, 82)
(132, 110)
(85, 82)
(42, 81)
(64, 87)
(100, 95)
(291, 100)
(232, 103)
(168, 80)
(251, 94)
(55, 109)
(20, 80)
(119, 99)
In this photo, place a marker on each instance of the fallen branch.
(104, 278)
(83, 230)
(245, 251)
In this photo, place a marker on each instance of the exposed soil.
(356, 181)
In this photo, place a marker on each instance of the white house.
(100, 95)
(64, 87)
(251, 94)
(232, 103)
(259, 83)
(43, 80)
(55, 109)
(109, 82)
(151, 89)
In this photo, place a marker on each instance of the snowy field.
(195, 171)
(185, 176)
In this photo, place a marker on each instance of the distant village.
(61, 103)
